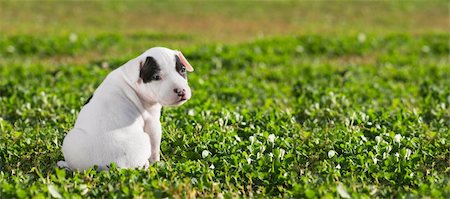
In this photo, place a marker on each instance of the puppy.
(120, 123)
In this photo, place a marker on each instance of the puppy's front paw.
(63, 165)
(146, 165)
(154, 158)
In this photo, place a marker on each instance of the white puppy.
(120, 122)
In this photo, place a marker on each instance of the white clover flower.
(271, 156)
(11, 49)
(237, 138)
(221, 122)
(205, 153)
(271, 138)
(364, 138)
(347, 122)
(408, 153)
(331, 153)
(378, 139)
(425, 49)
(415, 111)
(342, 191)
(300, 49)
(262, 148)
(420, 120)
(362, 37)
(252, 139)
(376, 148)
(375, 160)
(338, 166)
(258, 155)
(237, 116)
(105, 64)
(252, 126)
(364, 117)
(397, 155)
(397, 138)
(53, 191)
(84, 189)
(73, 37)
(191, 112)
(388, 149)
(377, 126)
(373, 189)
(212, 166)
(249, 160)
(282, 152)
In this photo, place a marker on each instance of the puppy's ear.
(148, 69)
(185, 62)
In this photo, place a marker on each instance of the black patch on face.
(150, 70)
(89, 99)
(179, 66)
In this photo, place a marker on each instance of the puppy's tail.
(63, 165)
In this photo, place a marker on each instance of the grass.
(361, 114)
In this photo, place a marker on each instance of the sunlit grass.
(274, 117)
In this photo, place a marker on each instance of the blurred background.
(177, 24)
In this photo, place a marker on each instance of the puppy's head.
(163, 77)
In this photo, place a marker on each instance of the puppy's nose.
(180, 92)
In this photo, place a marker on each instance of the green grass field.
(290, 100)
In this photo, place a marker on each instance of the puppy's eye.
(183, 70)
(156, 77)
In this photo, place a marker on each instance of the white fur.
(121, 123)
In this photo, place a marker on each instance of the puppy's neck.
(154, 110)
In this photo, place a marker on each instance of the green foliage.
(280, 117)
(72, 44)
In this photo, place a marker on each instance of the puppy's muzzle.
(181, 93)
